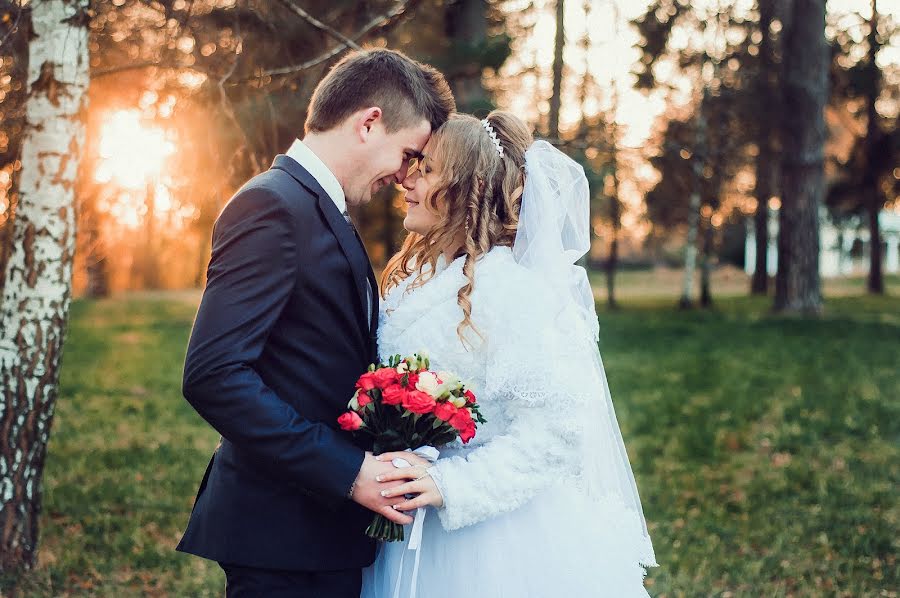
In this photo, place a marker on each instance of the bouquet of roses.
(403, 405)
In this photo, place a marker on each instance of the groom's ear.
(366, 120)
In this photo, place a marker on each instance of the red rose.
(461, 420)
(470, 397)
(467, 434)
(419, 402)
(363, 399)
(385, 377)
(350, 421)
(366, 382)
(393, 395)
(413, 379)
(444, 411)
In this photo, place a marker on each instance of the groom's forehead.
(416, 137)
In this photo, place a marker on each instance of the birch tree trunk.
(805, 84)
(706, 264)
(698, 158)
(38, 278)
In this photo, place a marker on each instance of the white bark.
(38, 279)
(690, 251)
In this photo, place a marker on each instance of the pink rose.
(363, 399)
(444, 411)
(413, 379)
(385, 377)
(393, 395)
(419, 402)
(470, 397)
(350, 421)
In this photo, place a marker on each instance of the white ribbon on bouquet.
(415, 535)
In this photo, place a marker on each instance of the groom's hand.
(367, 490)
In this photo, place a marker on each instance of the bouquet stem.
(385, 530)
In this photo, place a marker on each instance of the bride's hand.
(420, 483)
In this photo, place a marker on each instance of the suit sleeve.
(251, 275)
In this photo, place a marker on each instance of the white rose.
(428, 383)
(449, 383)
(458, 402)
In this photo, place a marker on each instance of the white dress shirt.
(305, 157)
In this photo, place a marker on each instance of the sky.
(612, 56)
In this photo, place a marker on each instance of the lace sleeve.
(536, 371)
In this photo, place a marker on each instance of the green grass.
(125, 457)
(767, 449)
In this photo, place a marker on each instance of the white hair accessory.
(487, 127)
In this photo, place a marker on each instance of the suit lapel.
(373, 329)
(351, 247)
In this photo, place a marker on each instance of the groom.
(286, 325)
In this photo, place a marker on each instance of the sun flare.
(131, 153)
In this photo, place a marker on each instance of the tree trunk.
(690, 250)
(706, 265)
(149, 264)
(6, 227)
(802, 176)
(558, 47)
(875, 282)
(467, 28)
(874, 201)
(766, 160)
(95, 261)
(613, 262)
(39, 274)
(387, 230)
(615, 208)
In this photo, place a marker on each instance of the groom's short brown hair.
(406, 91)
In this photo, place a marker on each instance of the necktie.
(368, 286)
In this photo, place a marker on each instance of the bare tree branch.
(15, 26)
(379, 21)
(290, 5)
(382, 21)
(97, 73)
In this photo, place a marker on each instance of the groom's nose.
(400, 175)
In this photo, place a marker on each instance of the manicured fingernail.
(378, 478)
(378, 457)
(384, 493)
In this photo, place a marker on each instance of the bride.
(542, 502)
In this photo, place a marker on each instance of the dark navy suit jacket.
(281, 335)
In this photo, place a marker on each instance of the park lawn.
(766, 449)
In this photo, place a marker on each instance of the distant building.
(843, 248)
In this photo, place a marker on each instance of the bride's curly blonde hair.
(477, 197)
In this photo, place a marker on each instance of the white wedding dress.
(542, 502)
(520, 518)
